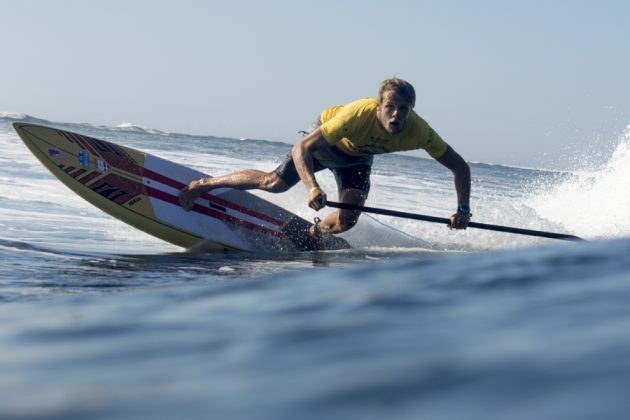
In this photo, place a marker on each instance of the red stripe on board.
(213, 198)
(89, 177)
(78, 173)
(161, 195)
(86, 145)
(162, 179)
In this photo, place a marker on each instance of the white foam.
(593, 203)
(126, 126)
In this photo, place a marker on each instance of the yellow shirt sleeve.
(431, 140)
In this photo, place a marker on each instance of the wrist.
(463, 208)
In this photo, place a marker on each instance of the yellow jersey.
(354, 129)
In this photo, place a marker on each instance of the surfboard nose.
(19, 126)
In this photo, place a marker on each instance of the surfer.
(345, 140)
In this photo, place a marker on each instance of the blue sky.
(529, 83)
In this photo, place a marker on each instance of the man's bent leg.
(247, 179)
(343, 220)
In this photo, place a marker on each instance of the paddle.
(485, 226)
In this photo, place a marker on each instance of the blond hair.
(400, 87)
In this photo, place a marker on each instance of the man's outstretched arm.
(461, 171)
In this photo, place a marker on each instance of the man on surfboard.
(345, 140)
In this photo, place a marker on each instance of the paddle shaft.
(433, 219)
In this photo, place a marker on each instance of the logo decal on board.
(84, 159)
(55, 154)
(102, 165)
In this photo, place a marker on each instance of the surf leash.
(433, 219)
(408, 235)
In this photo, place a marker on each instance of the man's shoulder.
(352, 111)
(423, 136)
(363, 104)
(351, 119)
(360, 110)
(416, 123)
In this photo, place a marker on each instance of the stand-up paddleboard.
(142, 190)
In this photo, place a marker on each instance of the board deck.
(142, 190)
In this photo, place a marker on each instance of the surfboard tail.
(296, 232)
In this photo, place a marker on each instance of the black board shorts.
(349, 171)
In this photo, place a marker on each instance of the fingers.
(185, 199)
(459, 221)
(321, 201)
(188, 195)
(317, 199)
(318, 203)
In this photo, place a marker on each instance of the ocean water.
(99, 320)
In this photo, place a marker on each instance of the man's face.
(392, 112)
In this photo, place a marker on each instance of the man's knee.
(348, 219)
(273, 183)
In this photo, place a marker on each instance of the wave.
(12, 245)
(18, 116)
(595, 202)
(502, 167)
(139, 129)
(127, 127)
